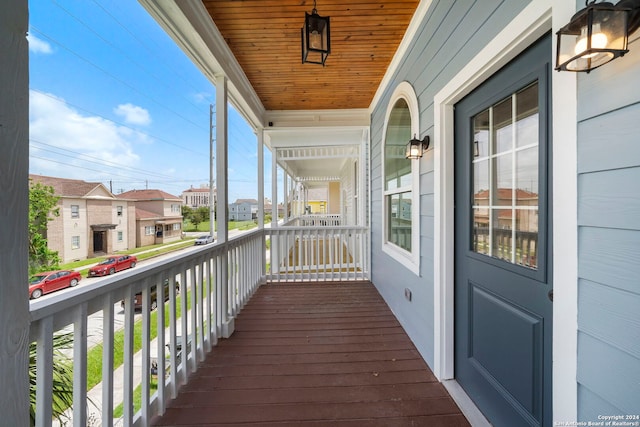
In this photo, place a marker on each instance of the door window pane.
(481, 183)
(505, 179)
(501, 234)
(481, 134)
(502, 125)
(527, 177)
(527, 124)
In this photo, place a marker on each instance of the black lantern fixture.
(316, 43)
(596, 35)
(416, 148)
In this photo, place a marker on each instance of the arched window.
(401, 180)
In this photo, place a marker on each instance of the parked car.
(204, 239)
(43, 283)
(112, 265)
(137, 299)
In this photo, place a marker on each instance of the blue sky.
(114, 100)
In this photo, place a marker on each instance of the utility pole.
(212, 205)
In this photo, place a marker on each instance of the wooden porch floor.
(314, 355)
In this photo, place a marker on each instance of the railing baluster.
(201, 321)
(107, 360)
(44, 372)
(128, 358)
(184, 317)
(160, 344)
(173, 306)
(193, 315)
(80, 366)
(146, 343)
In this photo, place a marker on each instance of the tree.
(203, 211)
(42, 209)
(187, 213)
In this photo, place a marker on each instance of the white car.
(205, 239)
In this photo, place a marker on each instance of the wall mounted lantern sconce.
(416, 148)
(597, 34)
(316, 37)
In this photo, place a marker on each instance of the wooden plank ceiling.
(264, 36)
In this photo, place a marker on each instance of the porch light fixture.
(416, 148)
(315, 35)
(597, 34)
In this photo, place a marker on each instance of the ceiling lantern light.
(315, 35)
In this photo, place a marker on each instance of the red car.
(113, 264)
(43, 283)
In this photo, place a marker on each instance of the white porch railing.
(318, 254)
(214, 281)
(315, 220)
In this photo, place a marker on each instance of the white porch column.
(260, 138)
(274, 188)
(212, 204)
(14, 213)
(222, 144)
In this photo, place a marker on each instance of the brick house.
(158, 216)
(92, 220)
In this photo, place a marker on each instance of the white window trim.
(534, 21)
(411, 260)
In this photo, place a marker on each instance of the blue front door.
(503, 287)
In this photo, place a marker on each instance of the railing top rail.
(307, 227)
(59, 302)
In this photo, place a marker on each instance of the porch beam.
(14, 211)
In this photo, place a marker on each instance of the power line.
(92, 158)
(64, 102)
(133, 88)
(122, 52)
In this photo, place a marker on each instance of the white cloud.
(37, 45)
(133, 114)
(202, 96)
(54, 126)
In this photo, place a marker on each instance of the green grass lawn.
(233, 225)
(94, 354)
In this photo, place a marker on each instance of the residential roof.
(507, 193)
(144, 214)
(65, 187)
(199, 190)
(147, 195)
(250, 201)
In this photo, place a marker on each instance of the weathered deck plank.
(317, 355)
